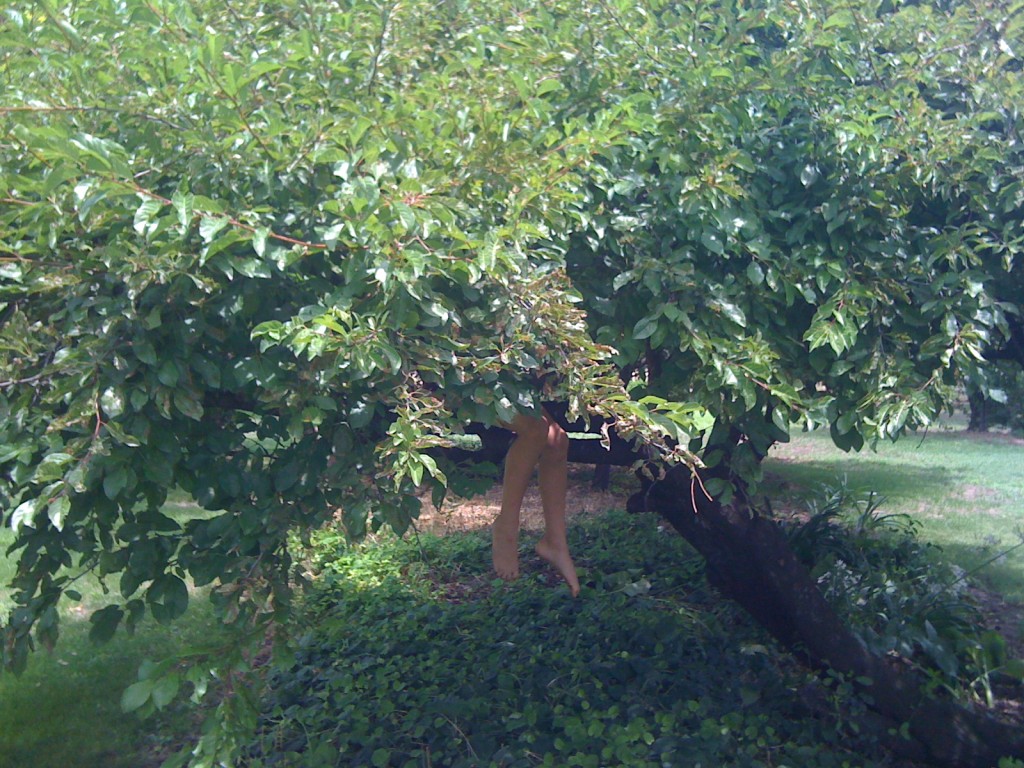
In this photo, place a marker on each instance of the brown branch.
(15, 382)
(231, 220)
(109, 110)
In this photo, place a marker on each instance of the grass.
(965, 491)
(65, 709)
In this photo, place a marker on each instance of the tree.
(273, 265)
(281, 258)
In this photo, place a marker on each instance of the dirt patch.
(1005, 618)
(977, 493)
(478, 512)
(993, 438)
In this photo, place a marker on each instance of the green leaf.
(52, 467)
(24, 515)
(755, 273)
(210, 226)
(185, 402)
(713, 242)
(731, 311)
(145, 213)
(168, 373)
(840, 19)
(809, 175)
(547, 86)
(406, 216)
(57, 510)
(167, 597)
(645, 327)
(136, 695)
(102, 154)
(104, 623)
(259, 240)
(165, 689)
(114, 482)
(184, 206)
(145, 351)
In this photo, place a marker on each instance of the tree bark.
(978, 404)
(749, 560)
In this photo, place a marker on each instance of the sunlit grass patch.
(966, 492)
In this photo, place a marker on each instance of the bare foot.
(561, 560)
(505, 548)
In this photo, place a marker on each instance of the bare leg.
(537, 441)
(554, 481)
(520, 461)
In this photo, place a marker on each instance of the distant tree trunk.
(978, 404)
(749, 560)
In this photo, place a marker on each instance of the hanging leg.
(538, 441)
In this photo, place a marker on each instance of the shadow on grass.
(862, 475)
(64, 711)
(998, 566)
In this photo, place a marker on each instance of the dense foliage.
(820, 219)
(898, 594)
(274, 253)
(271, 265)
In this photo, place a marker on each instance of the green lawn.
(966, 491)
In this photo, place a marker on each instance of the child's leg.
(520, 461)
(537, 441)
(554, 482)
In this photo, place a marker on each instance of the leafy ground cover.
(414, 656)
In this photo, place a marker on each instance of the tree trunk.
(979, 412)
(749, 559)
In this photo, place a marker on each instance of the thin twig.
(385, 20)
(109, 110)
(233, 221)
(646, 51)
(15, 382)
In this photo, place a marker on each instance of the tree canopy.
(277, 254)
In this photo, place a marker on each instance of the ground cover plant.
(411, 655)
(651, 668)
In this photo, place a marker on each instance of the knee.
(531, 430)
(557, 442)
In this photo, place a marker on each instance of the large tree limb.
(749, 559)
